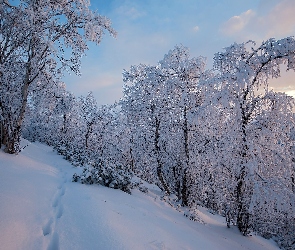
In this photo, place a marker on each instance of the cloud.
(237, 23)
(129, 11)
(291, 93)
(285, 83)
(196, 28)
(105, 86)
(133, 13)
(278, 21)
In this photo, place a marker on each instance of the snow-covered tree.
(181, 74)
(44, 117)
(242, 71)
(108, 162)
(160, 98)
(39, 40)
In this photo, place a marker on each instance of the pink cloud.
(278, 22)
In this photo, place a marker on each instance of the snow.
(41, 208)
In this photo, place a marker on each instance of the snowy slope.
(40, 208)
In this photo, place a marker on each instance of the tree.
(89, 115)
(272, 206)
(39, 40)
(160, 98)
(46, 113)
(241, 71)
(182, 74)
(141, 105)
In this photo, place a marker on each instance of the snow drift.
(41, 208)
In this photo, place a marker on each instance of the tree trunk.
(242, 188)
(243, 214)
(184, 190)
(12, 128)
(1, 112)
(2, 132)
(157, 149)
(131, 154)
(12, 144)
(293, 183)
(8, 132)
(177, 177)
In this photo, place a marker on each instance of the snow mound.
(41, 208)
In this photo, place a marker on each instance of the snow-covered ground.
(41, 208)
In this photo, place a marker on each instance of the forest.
(219, 138)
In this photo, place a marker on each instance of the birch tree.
(243, 69)
(38, 41)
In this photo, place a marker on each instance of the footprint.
(47, 228)
(157, 245)
(54, 243)
(58, 196)
(62, 191)
(59, 211)
(56, 201)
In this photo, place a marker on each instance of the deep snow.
(41, 208)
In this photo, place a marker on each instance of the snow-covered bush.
(107, 174)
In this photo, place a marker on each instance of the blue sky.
(148, 29)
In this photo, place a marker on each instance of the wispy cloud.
(278, 21)
(130, 12)
(237, 24)
(107, 86)
(196, 28)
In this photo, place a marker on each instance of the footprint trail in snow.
(49, 229)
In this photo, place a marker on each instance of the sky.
(148, 29)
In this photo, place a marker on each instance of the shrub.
(107, 174)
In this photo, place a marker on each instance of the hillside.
(41, 208)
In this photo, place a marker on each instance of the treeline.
(218, 138)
